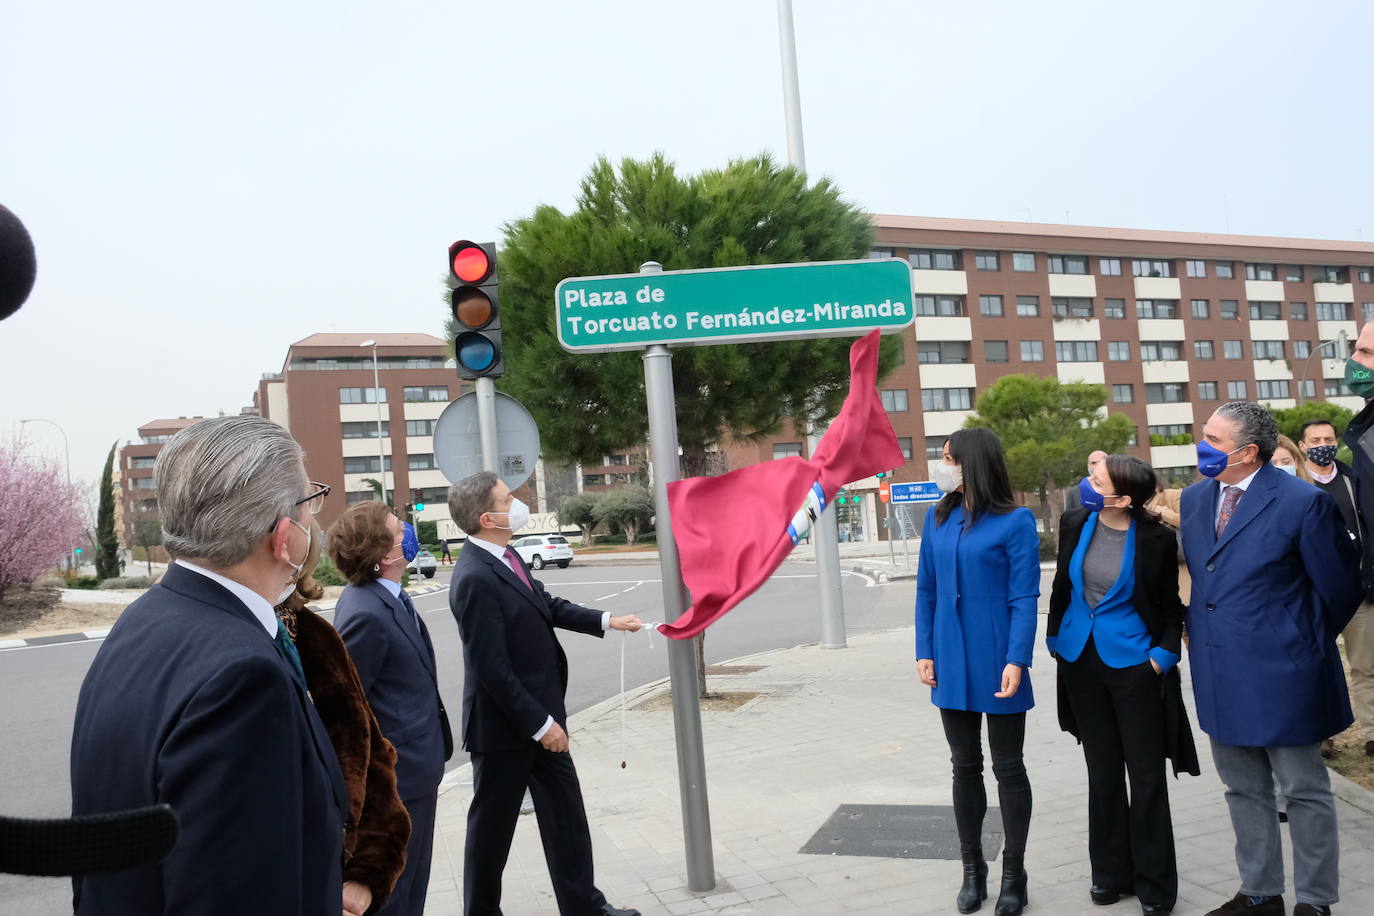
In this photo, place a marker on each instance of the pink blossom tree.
(40, 516)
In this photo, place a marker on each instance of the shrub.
(126, 582)
(1049, 546)
(327, 574)
(85, 582)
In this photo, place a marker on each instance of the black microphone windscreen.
(17, 263)
(86, 845)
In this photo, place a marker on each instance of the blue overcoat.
(1268, 600)
(976, 594)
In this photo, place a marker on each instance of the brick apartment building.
(137, 503)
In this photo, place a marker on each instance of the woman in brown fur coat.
(376, 825)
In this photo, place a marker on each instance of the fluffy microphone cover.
(17, 264)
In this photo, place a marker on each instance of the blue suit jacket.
(1268, 600)
(976, 593)
(395, 661)
(188, 703)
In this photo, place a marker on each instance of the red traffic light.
(469, 262)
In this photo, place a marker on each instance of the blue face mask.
(1211, 460)
(1092, 500)
(410, 544)
(1290, 469)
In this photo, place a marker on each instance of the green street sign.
(733, 304)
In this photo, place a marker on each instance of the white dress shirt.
(257, 604)
(500, 553)
(1244, 485)
(391, 586)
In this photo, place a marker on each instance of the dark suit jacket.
(1359, 435)
(515, 673)
(1156, 600)
(188, 703)
(1269, 598)
(396, 665)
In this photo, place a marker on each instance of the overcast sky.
(207, 183)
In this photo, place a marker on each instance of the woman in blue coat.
(976, 593)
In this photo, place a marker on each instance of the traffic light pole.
(486, 422)
(682, 666)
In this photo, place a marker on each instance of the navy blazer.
(189, 703)
(1269, 598)
(515, 673)
(395, 661)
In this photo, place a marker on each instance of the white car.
(424, 564)
(540, 550)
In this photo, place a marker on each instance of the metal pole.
(67, 457)
(381, 441)
(1307, 363)
(791, 94)
(891, 557)
(682, 669)
(486, 422)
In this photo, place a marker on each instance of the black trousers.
(1120, 715)
(408, 896)
(1006, 738)
(499, 780)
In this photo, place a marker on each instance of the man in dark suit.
(1275, 579)
(392, 651)
(514, 720)
(197, 699)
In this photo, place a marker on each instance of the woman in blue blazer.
(976, 592)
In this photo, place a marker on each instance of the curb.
(1352, 793)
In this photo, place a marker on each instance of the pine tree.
(107, 544)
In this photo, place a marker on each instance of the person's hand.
(925, 670)
(357, 897)
(1155, 665)
(555, 739)
(629, 623)
(1011, 682)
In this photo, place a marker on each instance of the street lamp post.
(377, 397)
(1341, 341)
(67, 454)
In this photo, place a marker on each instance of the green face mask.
(1359, 379)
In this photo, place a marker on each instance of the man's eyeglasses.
(315, 501)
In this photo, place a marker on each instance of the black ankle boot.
(975, 889)
(1013, 898)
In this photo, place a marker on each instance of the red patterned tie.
(1230, 496)
(517, 566)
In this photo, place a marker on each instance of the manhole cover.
(899, 832)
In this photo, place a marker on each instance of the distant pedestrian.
(1275, 578)
(197, 699)
(1115, 625)
(976, 593)
(1290, 459)
(443, 552)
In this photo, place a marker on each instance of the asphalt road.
(38, 686)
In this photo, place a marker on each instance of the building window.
(990, 306)
(1123, 394)
(942, 351)
(360, 464)
(985, 260)
(353, 497)
(1268, 349)
(143, 483)
(1292, 273)
(426, 393)
(935, 448)
(1203, 349)
(618, 460)
(1271, 389)
(420, 428)
(1109, 267)
(361, 395)
(1366, 275)
(1265, 311)
(1152, 351)
(1076, 351)
(1336, 388)
(1206, 391)
(995, 351)
(1156, 308)
(1331, 274)
(1235, 391)
(1152, 268)
(894, 400)
(1113, 308)
(1023, 261)
(1201, 309)
(593, 480)
(1230, 349)
(933, 259)
(787, 450)
(1028, 306)
(939, 306)
(1230, 308)
(1071, 307)
(141, 461)
(946, 398)
(1067, 264)
(1166, 392)
(1161, 435)
(1135, 437)
(1367, 309)
(424, 462)
(1333, 311)
(1307, 388)
(1119, 351)
(1196, 268)
(876, 253)
(1297, 311)
(1032, 351)
(1302, 349)
(904, 443)
(1226, 270)
(1260, 272)
(365, 430)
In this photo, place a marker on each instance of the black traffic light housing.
(475, 302)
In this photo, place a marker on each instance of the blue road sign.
(921, 491)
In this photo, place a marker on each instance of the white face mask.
(518, 515)
(948, 477)
(296, 567)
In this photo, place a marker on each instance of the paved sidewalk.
(829, 728)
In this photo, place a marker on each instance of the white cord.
(650, 628)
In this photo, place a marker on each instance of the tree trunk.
(1045, 514)
(631, 533)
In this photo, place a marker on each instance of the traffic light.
(881, 474)
(842, 498)
(476, 306)
(418, 498)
